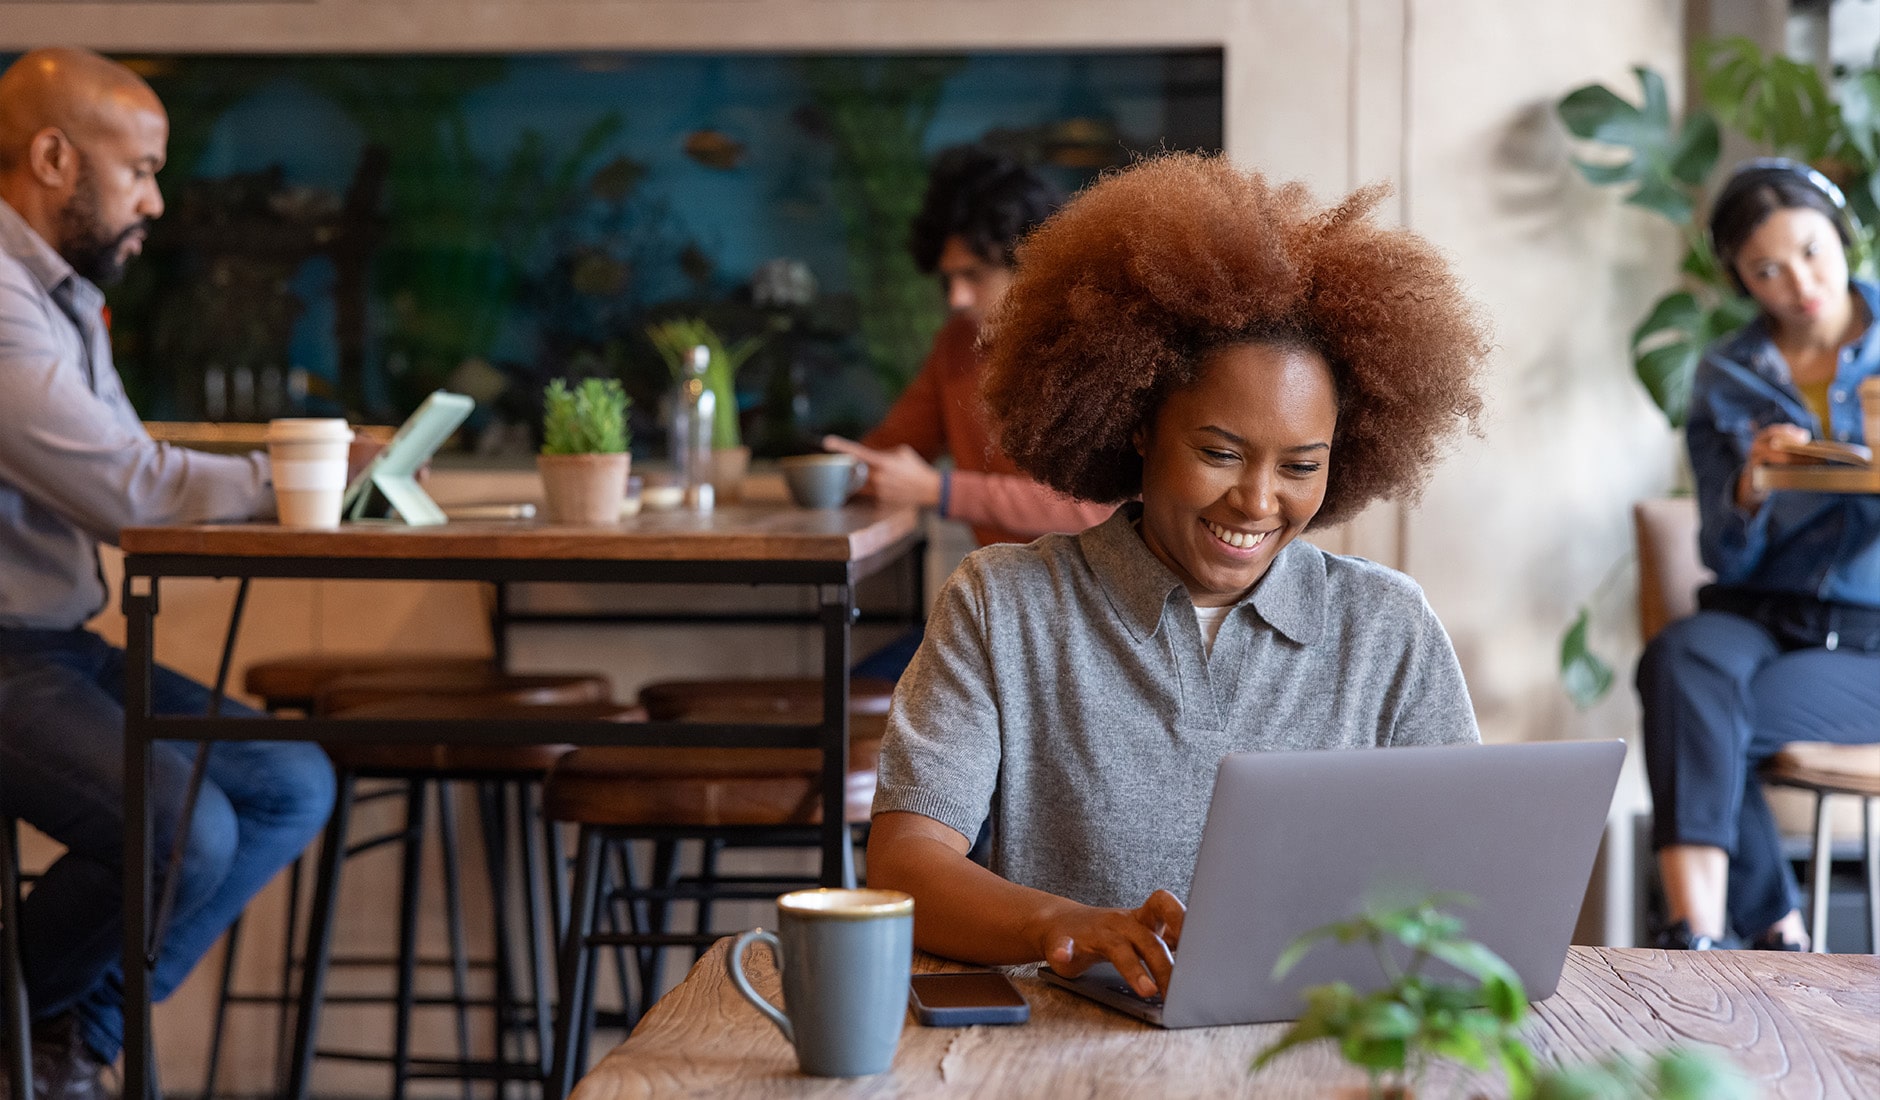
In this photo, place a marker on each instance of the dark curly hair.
(1119, 297)
(986, 199)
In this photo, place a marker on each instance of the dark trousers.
(62, 769)
(1720, 695)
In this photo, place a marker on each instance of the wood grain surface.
(743, 532)
(1798, 1025)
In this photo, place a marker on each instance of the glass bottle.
(694, 431)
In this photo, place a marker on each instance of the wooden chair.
(1670, 573)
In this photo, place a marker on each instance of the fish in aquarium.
(714, 149)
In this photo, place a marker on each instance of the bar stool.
(1828, 770)
(769, 700)
(795, 700)
(322, 683)
(295, 683)
(755, 797)
(15, 1017)
(509, 780)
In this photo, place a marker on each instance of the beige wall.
(1449, 99)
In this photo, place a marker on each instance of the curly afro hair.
(1119, 296)
(986, 199)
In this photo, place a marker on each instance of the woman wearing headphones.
(1787, 646)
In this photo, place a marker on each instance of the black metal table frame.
(834, 582)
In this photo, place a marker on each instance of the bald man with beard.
(81, 140)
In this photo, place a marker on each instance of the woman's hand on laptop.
(1139, 942)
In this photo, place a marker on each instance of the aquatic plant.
(876, 112)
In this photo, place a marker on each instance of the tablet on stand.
(394, 470)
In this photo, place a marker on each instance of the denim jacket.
(1824, 545)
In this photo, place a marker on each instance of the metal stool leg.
(708, 885)
(453, 922)
(576, 979)
(1818, 877)
(1870, 844)
(15, 1015)
(319, 940)
(410, 878)
(540, 929)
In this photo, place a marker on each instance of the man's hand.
(899, 476)
(1139, 942)
(359, 455)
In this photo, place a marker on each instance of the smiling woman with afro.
(1245, 363)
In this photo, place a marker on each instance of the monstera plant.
(1665, 165)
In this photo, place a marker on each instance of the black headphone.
(1762, 170)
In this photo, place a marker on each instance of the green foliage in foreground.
(1396, 1033)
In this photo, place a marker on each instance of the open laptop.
(1297, 840)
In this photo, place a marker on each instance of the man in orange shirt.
(978, 206)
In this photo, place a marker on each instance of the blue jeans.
(61, 770)
(1720, 696)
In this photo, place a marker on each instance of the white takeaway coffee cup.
(309, 460)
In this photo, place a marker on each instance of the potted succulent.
(584, 457)
(674, 341)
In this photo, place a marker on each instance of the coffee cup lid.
(309, 429)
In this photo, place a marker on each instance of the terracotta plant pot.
(729, 465)
(584, 490)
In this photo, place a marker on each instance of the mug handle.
(734, 962)
(858, 477)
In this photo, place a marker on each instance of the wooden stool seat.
(296, 681)
(1824, 766)
(702, 788)
(467, 760)
(478, 692)
(776, 700)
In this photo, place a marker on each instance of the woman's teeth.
(1240, 540)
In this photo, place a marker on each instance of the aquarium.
(347, 233)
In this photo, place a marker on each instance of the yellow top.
(1815, 396)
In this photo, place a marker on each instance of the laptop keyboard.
(1123, 988)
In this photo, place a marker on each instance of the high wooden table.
(828, 550)
(1798, 1025)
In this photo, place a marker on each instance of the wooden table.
(1799, 1025)
(828, 550)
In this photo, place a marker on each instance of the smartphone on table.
(966, 998)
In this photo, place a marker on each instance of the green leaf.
(1374, 1054)
(1678, 312)
(1596, 112)
(1666, 166)
(1694, 1075)
(1383, 1019)
(1770, 99)
(1585, 677)
(1695, 152)
(1860, 113)
(1666, 374)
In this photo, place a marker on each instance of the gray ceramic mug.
(822, 480)
(844, 956)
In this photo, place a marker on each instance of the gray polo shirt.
(76, 465)
(1064, 690)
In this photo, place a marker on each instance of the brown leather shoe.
(64, 1068)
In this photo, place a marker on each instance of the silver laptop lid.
(1296, 840)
